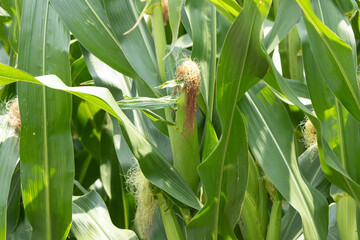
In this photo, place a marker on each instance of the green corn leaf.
(287, 16)
(174, 8)
(329, 161)
(47, 170)
(91, 220)
(335, 161)
(91, 28)
(274, 149)
(154, 166)
(334, 55)
(119, 85)
(138, 45)
(224, 172)
(204, 46)
(310, 167)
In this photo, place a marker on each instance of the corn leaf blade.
(224, 172)
(154, 166)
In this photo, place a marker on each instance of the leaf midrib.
(46, 147)
(227, 137)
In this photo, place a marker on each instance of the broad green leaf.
(154, 166)
(330, 164)
(47, 170)
(222, 27)
(91, 220)
(92, 29)
(274, 149)
(338, 125)
(229, 8)
(138, 45)
(340, 139)
(9, 156)
(287, 16)
(333, 55)
(242, 63)
(204, 46)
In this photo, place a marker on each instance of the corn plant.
(179, 119)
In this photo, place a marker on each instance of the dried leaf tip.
(309, 133)
(141, 188)
(14, 114)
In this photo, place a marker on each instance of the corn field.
(179, 119)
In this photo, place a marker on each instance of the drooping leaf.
(138, 45)
(91, 27)
(334, 158)
(334, 55)
(154, 166)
